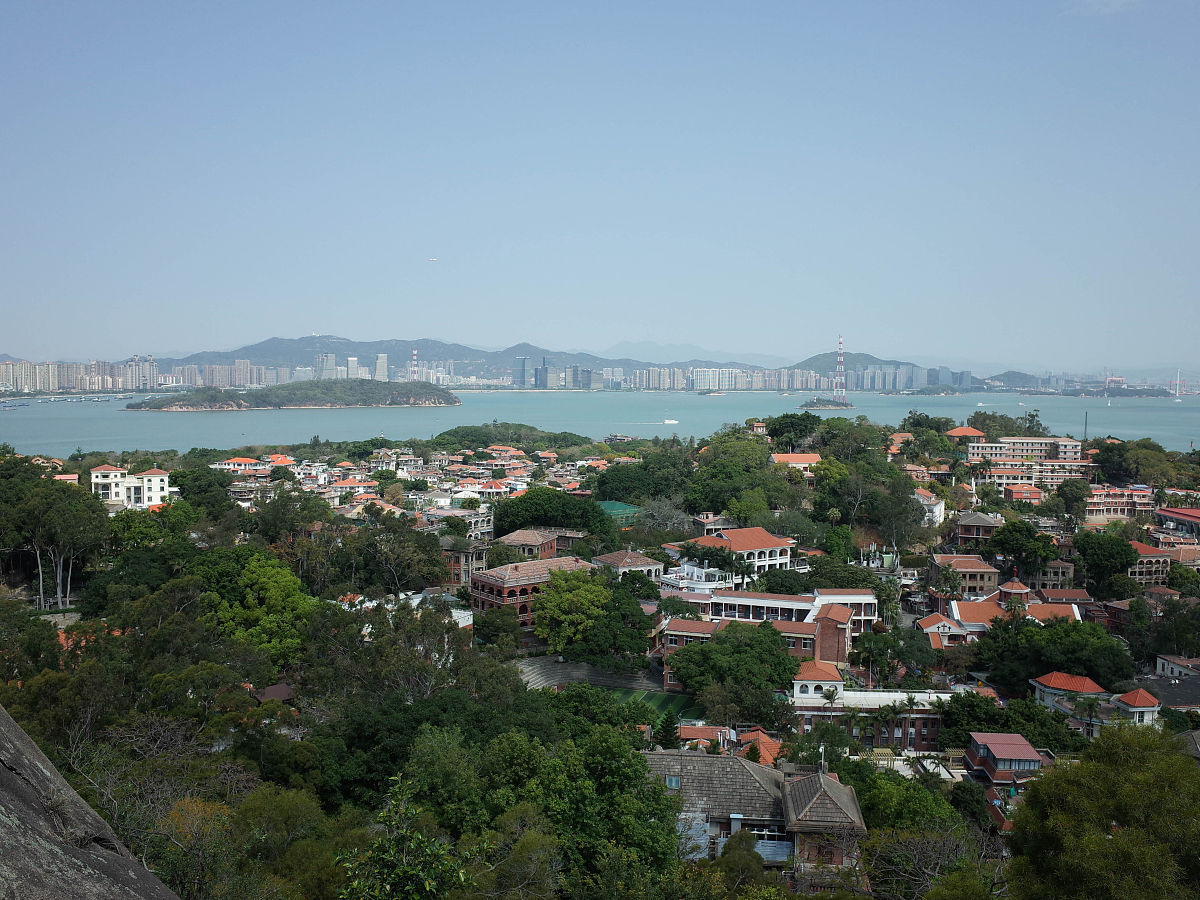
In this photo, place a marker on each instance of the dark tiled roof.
(820, 803)
(720, 785)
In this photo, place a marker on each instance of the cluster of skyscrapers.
(668, 378)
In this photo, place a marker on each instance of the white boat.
(670, 421)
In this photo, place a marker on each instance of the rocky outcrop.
(52, 844)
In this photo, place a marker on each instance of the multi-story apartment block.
(1110, 503)
(1153, 565)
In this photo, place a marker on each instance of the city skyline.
(996, 187)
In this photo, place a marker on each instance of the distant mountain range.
(293, 352)
(627, 355)
(665, 353)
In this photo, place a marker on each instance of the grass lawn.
(684, 705)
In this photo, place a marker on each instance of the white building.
(934, 506)
(116, 487)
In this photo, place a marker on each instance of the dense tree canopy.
(1016, 649)
(1122, 822)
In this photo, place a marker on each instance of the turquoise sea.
(59, 428)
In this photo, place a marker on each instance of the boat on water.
(670, 421)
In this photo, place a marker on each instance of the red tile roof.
(965, 431)
(1076, 684)
(1147, 550)
(742, 539)
(107, 468)
(151, 472)
(837, 613)
(811, 670)
(1139, 699)
(796, 459)
(1005, 746)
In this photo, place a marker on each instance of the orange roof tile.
(812, 670)
(1139, 698)
(1076, 684)
(742, 539)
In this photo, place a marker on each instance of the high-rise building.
(241, 373)
(520, 371)
(326, 366)
(381, 372)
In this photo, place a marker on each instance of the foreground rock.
(52, 844)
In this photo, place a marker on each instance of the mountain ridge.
(302, 351)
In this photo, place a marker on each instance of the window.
(672, 782)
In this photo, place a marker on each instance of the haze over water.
(61, 427)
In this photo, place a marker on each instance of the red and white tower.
(412, 369)
(839, 378)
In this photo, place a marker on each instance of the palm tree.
(948, 583)
(830, 695)
(888, 595)
(1087, 710)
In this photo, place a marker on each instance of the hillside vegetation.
(307, 393)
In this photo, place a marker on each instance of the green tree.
(751, 661)
(1184, 579)
(667, 735)
(1122, 822)
(546, 506)
(288, 511)
(568, 606)
(1016, 649)
(1103, 555)
(839, 543)
(1074, 493)
(1022, 543)
(63, 525)
(403, 864)
(502, 555)
(498, 627)
(272, 612)
(749, 505)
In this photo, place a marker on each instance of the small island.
(305, 395)
(825, 403)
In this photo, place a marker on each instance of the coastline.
(308, 406)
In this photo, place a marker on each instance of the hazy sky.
(1013, 181)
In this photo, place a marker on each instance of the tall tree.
(1122, 822)
(1022, 543)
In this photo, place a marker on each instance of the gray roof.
(975, 518)
(819, 803)
(719, 786)
(1184, 695)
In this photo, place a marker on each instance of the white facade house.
(934, 506)
(116, 487)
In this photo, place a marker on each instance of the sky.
(1012, 183)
